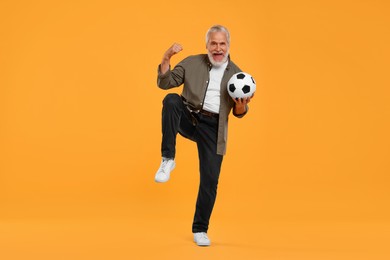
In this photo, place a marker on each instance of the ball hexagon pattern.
(241, 85)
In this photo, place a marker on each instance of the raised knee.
(171, 99)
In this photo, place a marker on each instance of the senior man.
(199, 114)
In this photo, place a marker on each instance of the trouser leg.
(210, 166)
(175, 119)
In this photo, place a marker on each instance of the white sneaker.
(164, 172)
(201, 239)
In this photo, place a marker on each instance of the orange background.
(306, 175)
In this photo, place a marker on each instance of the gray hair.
(218, 28)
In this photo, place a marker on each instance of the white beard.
(218, 63)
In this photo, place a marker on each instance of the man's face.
(218, 48)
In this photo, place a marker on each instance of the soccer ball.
(241, 85)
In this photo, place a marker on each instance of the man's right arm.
(166, 78)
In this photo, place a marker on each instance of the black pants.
(203, 130)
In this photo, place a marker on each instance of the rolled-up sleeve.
(243, 114)
(171, 78)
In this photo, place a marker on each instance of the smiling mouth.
(218, 55)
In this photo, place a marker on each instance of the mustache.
(214, 62)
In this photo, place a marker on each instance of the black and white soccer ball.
(241, 85)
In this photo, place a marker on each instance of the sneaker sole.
(203, 244)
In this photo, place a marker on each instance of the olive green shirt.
(193, 72)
